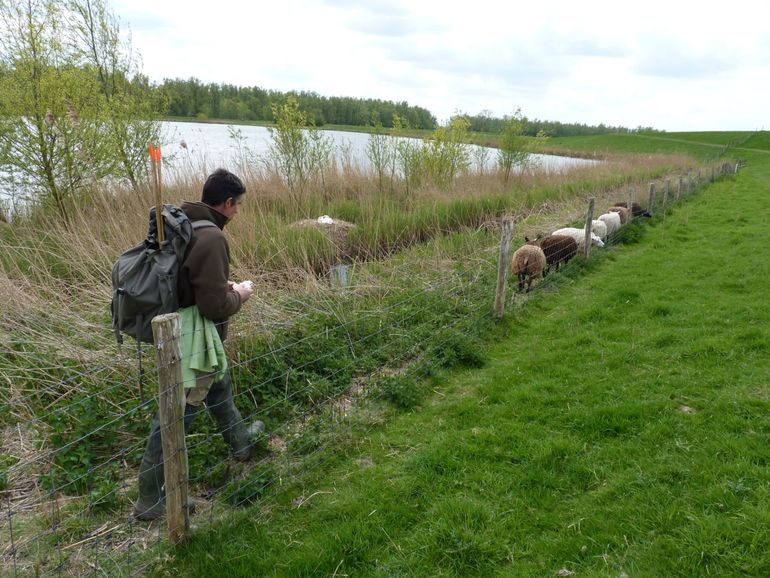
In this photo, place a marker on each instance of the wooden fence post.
(712, 174)
(679, 189)
(651, 200)
(630, 205)
(589, 226)
(503, 266)
(665, 195)
(689, 183)
(166, 331)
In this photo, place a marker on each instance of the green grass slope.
(701, 145)
(619, 428)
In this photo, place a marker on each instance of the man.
(203, 281)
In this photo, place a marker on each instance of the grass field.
(618, 428)
(702, 145)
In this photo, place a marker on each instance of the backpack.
(144, 278)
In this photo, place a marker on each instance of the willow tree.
(407, 155)
(298, 152)
(128, 104)
(380, 151)
(445, 155)
(62, 127)
(512, 150)
(516, 148)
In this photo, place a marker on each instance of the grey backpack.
(144, 278)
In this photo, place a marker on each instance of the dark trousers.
(219, 402)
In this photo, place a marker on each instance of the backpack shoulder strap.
(202, 224)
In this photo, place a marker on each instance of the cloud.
(373, 6)
(148, 23)
(142, 20)
(584, 45)
(524, 66)
(390, 25)
(667, 57)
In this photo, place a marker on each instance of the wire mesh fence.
(67, 496)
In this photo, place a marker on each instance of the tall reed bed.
(55, 258)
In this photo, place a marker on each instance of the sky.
(670, 65)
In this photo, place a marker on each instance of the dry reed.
(46, 260)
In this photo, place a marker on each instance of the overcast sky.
(670, 65)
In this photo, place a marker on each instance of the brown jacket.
(205, 270)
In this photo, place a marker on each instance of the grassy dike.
(618, 428)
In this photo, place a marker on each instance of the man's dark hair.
(220, 186)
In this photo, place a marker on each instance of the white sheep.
(622, 211)
(580, 236)
(612, 220)
(599, 228)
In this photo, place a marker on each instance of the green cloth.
(202, 349)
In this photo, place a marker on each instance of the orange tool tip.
(154, 152)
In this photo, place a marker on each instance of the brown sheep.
(558, 249)
(622, 211)
(528, 262)
(636, 209)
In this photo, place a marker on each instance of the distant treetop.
(193, 99)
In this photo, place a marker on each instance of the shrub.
(458, 349)
(84, 443)
(401, 390)
(630, 233)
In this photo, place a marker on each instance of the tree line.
(486, 123)
(193, 99)
(213, 101)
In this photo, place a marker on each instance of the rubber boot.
(231, 425)
(151, 504)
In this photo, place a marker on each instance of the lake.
(211, 145)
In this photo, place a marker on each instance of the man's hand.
(245, 289)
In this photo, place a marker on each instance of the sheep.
(612, 220)
(636, 209)
(622, 211)
(528, 262)
(599, 228)
(580, 236)
(558, 249)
